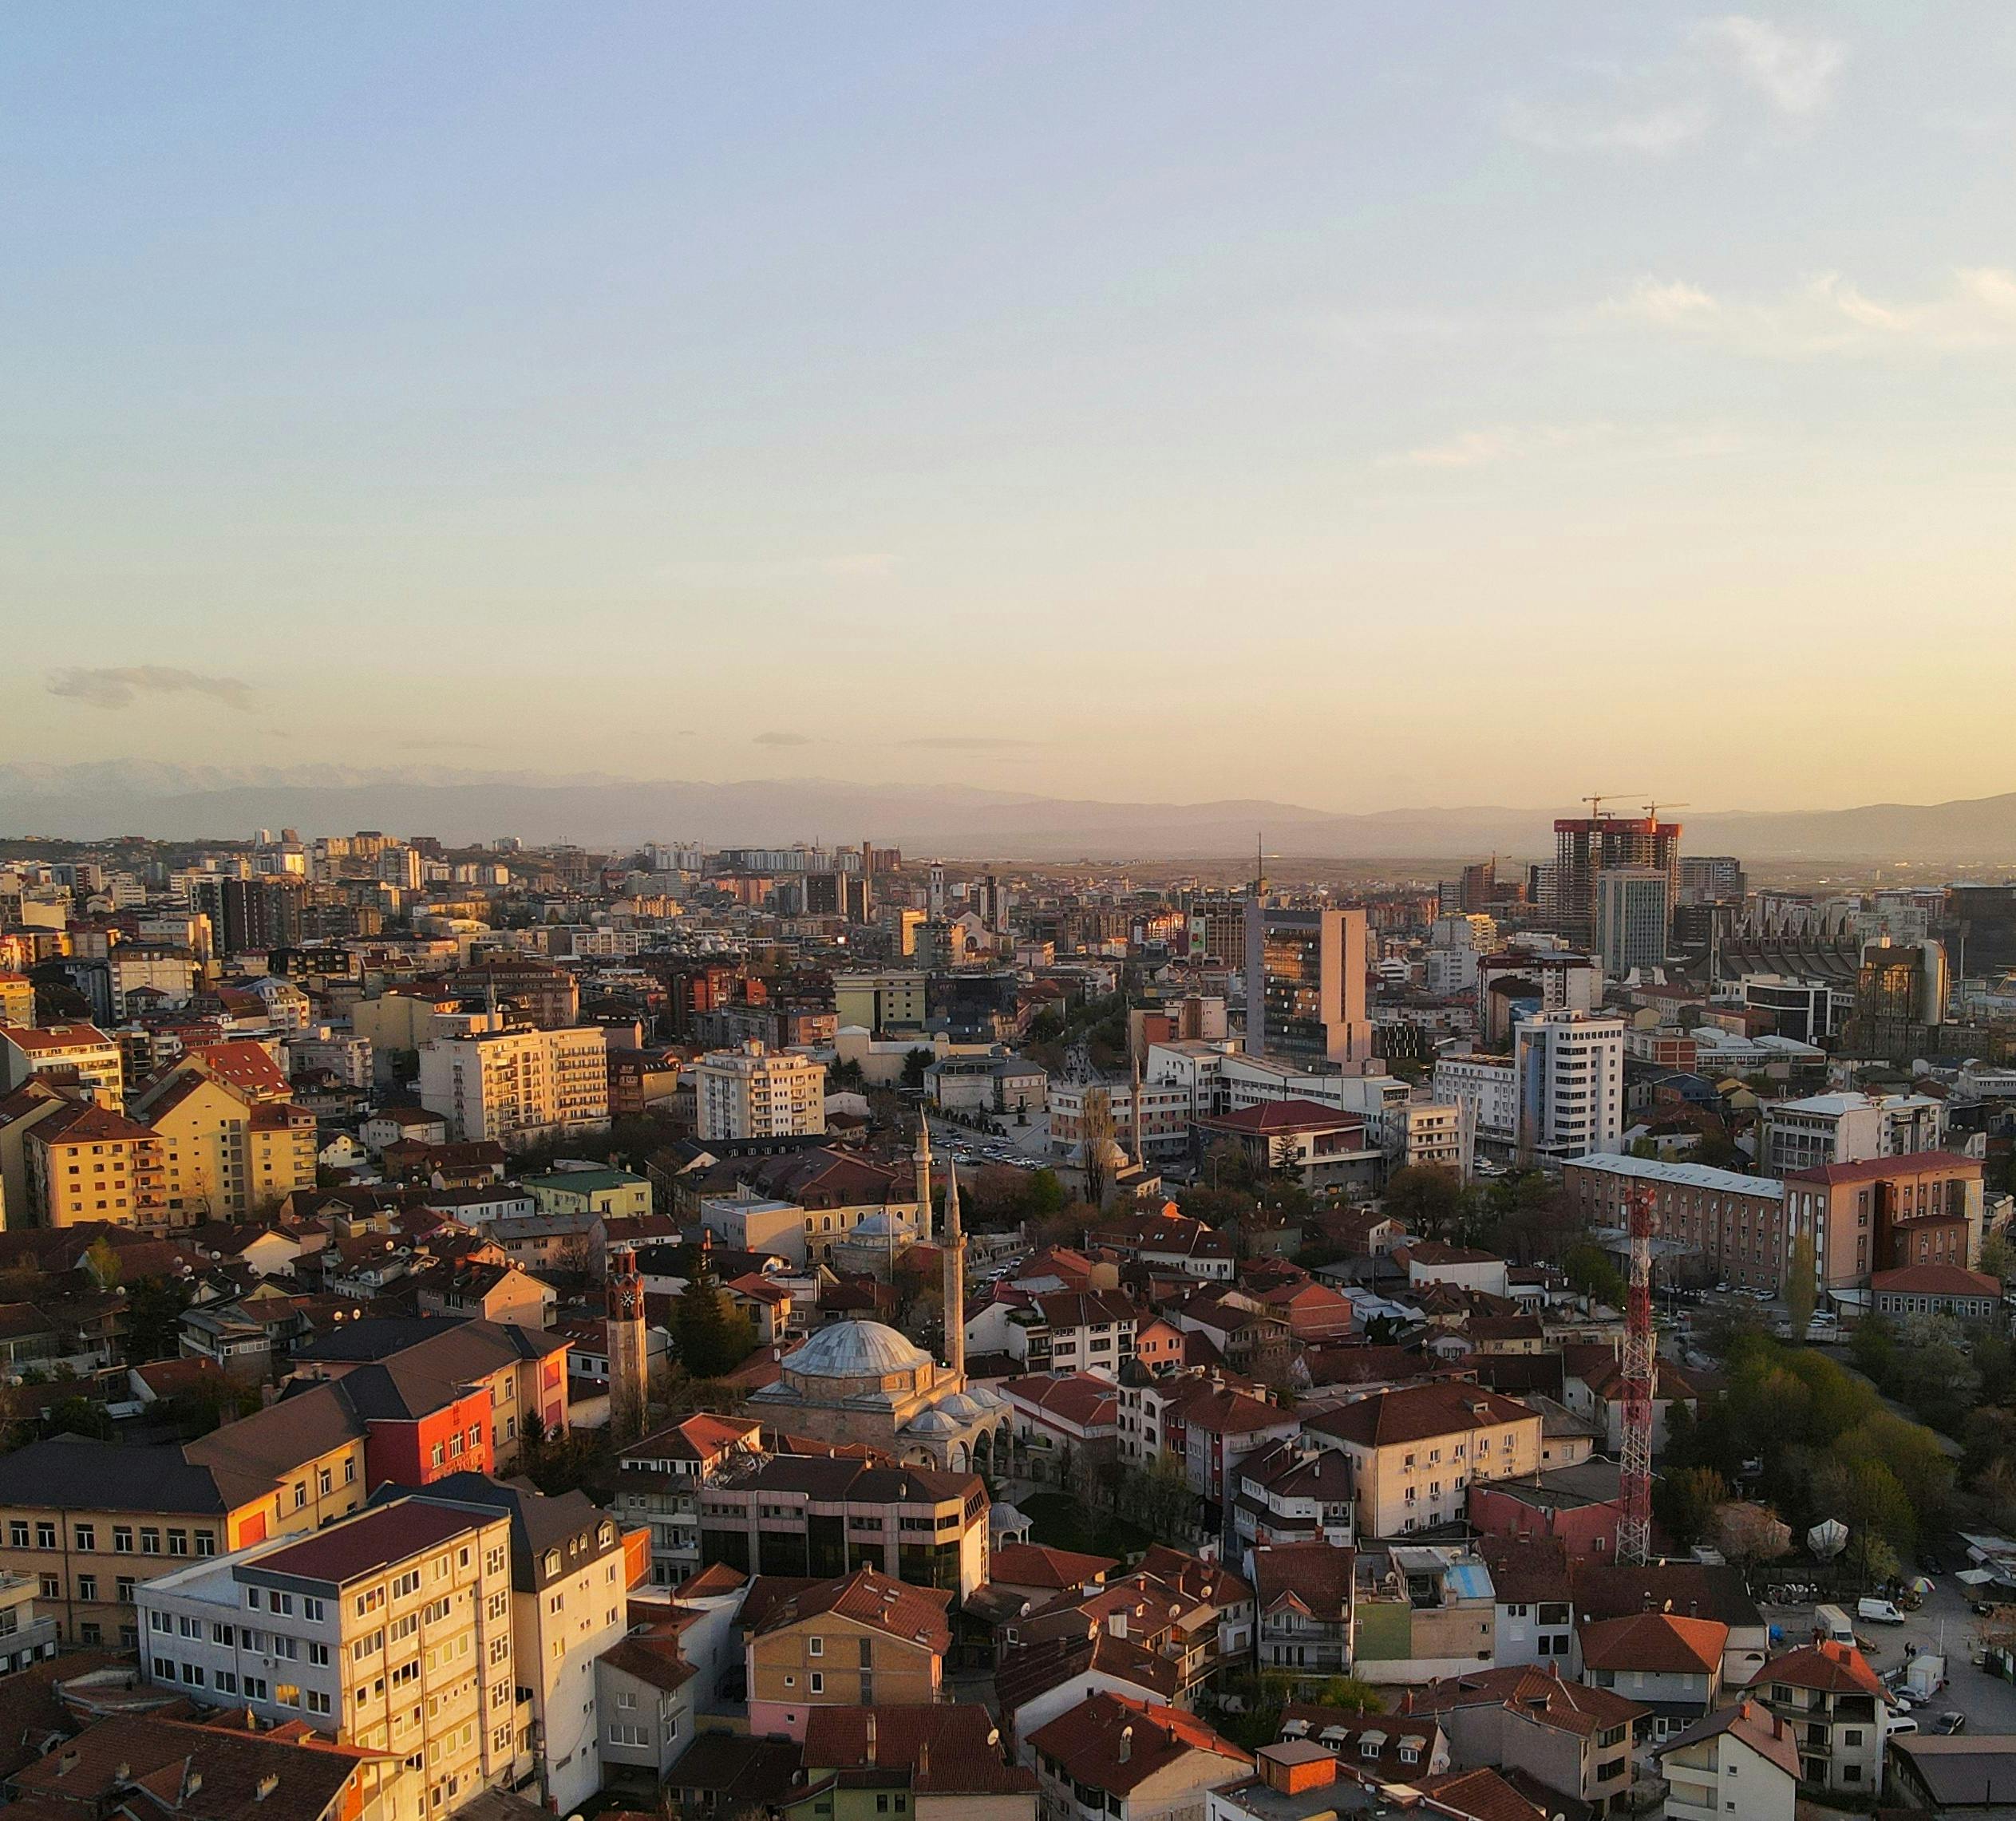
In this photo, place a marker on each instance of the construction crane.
(1640, 1362)
(1596, 802)
(1652, 810)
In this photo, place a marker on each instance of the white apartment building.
(1488, 1087)
(1633, 910)
(1849, 1128)
(756, 1091)
(56, 1049)
(520, 1086)
(391, 1630)
(1569, 1070)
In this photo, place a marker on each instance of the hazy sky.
(1361, 406)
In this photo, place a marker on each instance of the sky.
(1359, 406)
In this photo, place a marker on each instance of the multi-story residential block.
(1570, 1071)
(518, 1087)
(1487, 1088)
(1520, 981)
(79, 1052)
(810, 1515)
(249, 915)
(1157, 1115)
(391, 1630)
(660, 1479)
(755, 1091)
(1741, 1761)
(17, 999)
(569, 1579)
(1305, 983)
(225, 1154)
(1847, 1128)
(1837, 1710)
(1422, 1613)
(856, 1641)
(1634, 914)
(1413, 1450)
(1735, 1225)
(86, 1163)
(894, 999)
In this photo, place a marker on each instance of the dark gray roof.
(76, 1473)
(571, 1523)
(249, 1455)
(377, 1338)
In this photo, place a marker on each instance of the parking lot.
(1945, 1623)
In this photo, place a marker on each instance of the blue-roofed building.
(1422, 1611)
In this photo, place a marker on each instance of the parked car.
(1903, 1722)
(1949, 1723)
(1929, 1560)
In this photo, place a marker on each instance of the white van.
(1900, 1722)
(1878, 1612)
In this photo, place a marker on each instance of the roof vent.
(266, 1785)
(66, 1763)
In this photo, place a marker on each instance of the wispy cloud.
(775, 738)
(1796, 74)
(1654, 129)
(1497, 443)
(1829, 315)
(123, 686)
(967, 742)
(1711, 75)
(847, 566)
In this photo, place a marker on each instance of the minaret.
(627, 1356)
(952, 1243)
(923, 1158)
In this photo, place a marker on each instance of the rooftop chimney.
(266, 1785)
(1126, 1743)
(923, 1757)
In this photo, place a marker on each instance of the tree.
(1095, 1143)
(1589, 1270)
(101, 1260)
(1426, 1198)
(1352, 1695)
(77, 1415)
(154, 1308)
(715, 1336)
(1870, 1558)
(1800, 1291)
(1748, 1535)
(1998, 1257)
(914, 1063)
(1688, 1501)
(1045, 1194)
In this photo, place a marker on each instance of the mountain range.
(95, 800)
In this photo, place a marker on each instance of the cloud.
(1829, 315)
(847, 566)
(1655, 130)
(122, 687)
(447, 744)
(776, 739)
(966, 742)
(1795, 74)
(1501, 442)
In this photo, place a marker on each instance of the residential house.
(1671, 1664)
(1740, 1761)
(1304, 1594)
(855, 1640)
(1290, 1491)
(1422, 1612)
(1113, 1757)
(861, 1763)
(659, 1479)
(1038, 1681)
(1838, 1712)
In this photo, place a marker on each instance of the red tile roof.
(1315, 1577)
(1917, 1280)
(1661, 1641)
(1481, 1795)
(1115, 1744)
(1880, 1169)
(1035, 1564)
(1839, 1669)
(948, 1749)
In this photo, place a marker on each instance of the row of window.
(84, 1538)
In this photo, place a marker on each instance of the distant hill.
(93, 801)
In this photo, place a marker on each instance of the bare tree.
(1748, 1535)
(1095, 1142)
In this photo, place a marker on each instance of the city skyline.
(1400, 406)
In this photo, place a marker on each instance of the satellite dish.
(1828, 1540)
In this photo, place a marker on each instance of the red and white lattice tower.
(1634, 1526)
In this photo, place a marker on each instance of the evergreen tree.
(714, 1337)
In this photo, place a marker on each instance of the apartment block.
(1736, 1227)
(1413, 1451)
(755, 1091)
(518, 1087)
(391, 1629)
(82, 1052)
(86, 1163)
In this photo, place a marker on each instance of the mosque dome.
(932, 1422)
(855, 1349)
